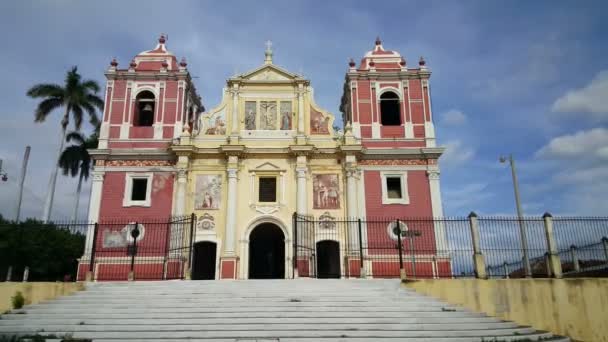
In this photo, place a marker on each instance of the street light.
(520, 216)
(3, 174)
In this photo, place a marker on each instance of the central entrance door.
(267, 252)
(328, 259)
(204, 260)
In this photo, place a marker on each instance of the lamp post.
(522, 226)
(3, 175)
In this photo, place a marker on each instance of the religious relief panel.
(250, 115)
(326, 191)
(319, 124)
(286, 115)
(268, 115)
(215, 124)
(208, 192)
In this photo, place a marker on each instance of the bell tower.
(388, 103)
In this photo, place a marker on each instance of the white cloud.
(454, 117)
(456, 153)
(590, 99)
(591, 144)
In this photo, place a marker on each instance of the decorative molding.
(433, 174)
(266, 209)
(394, 161)
(205, 222)
(138, 163)
(326, 221)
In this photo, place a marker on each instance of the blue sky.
(522, 77)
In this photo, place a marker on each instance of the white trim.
(402, 175)
(126, 200)
(393, 168)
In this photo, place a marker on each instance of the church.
(266, 154)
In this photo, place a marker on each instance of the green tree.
(76, 161)
(76, 96)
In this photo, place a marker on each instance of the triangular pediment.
(269, 72)
(267, 166)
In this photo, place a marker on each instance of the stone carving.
(326, 191)
(206, 222)
(268, 117)
(319, 124)
(208, 192)
(326, 221)
(250, 115)
(286, 115)
(214, 124)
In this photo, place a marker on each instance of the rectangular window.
(393, 187)
(267, 189)
(139, 189)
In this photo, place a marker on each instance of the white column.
(351, 194)
(300, 108)
(301, 199)
(94, 205)
(230, 237)
(235, 109)
(180, 198)
(437, 208)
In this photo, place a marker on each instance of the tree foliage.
(50, 250)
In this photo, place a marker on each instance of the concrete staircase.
(260, 310)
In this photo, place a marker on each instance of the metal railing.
(450, 247)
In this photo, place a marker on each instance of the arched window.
(390, 111)
(145, 108)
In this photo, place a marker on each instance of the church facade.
(265, 152)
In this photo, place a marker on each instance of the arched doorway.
(267, 252)
(328, 259)
(203, 267)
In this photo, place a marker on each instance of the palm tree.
(76, 161)
(76, 96)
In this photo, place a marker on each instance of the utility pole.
(26, 158)
(520, 216)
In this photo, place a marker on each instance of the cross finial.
(268, 53)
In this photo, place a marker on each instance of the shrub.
(18, 300)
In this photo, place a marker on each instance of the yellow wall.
(35, 292)
(577, 308)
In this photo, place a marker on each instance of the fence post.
(605, 243)
(548, 264)
(133, 252)
(9, 273)
(577, 266)
(402, 274)
(506, 269)
(26, 273)
(478, 259)
(188, 274)
(553, 260)
(295, 246)
(362, 271)
(90, 275)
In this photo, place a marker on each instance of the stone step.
(238, 326)
(128, 320)
(240, 315)
(268, 332)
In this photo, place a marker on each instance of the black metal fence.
(444, 248)
(146, 249)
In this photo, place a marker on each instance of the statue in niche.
(250, 114)
(286, 116)
(269, 115)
